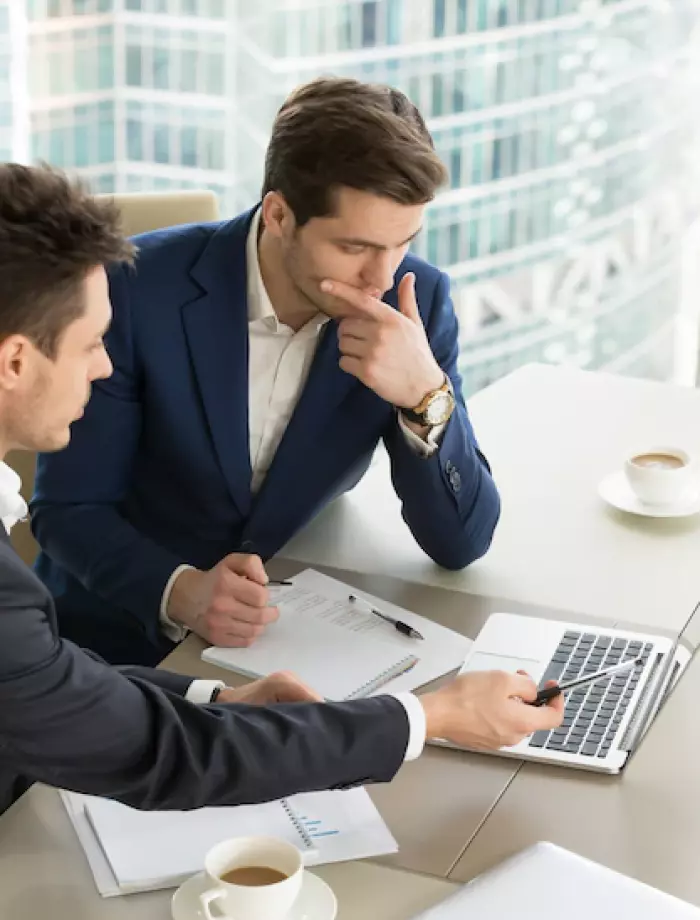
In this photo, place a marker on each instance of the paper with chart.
(339, 648)
(130, 850)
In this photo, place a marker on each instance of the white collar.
(13, 507)
(259, 303)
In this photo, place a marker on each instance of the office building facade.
(135, 94)
(568, 127)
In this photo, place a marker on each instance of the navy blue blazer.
(158, 471)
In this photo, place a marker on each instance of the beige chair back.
(140, 212)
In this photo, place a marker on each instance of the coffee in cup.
(253, 875)
(661, 475)
(252, 878)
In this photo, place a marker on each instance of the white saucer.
(316, 901)
(617, 492)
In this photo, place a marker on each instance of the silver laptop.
(604, 721)
(546, 882)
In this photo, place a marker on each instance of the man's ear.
(277, 216)
(15, 357)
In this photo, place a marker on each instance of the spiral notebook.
(340, 649)
(130, 850)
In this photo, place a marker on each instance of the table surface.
(559, 549)
(45, 875)
(551, 434)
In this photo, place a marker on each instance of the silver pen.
(399, 625)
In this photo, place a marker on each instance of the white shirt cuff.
(171, 630)
(417, 727)
(425, 448)
(200, 691)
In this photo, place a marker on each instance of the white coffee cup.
(661, 475)
(252, 901)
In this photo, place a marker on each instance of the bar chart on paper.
(342, 825)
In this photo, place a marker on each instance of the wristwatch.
(435, 408)
(215, 693)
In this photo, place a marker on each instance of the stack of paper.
(130, 850)
(340, 648)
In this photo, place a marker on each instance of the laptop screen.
(671, 671)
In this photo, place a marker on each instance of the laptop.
(603, 721)
(546, 882)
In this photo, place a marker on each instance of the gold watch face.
(439, 409)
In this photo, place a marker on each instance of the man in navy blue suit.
(258, 362)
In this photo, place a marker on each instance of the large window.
(569, 130)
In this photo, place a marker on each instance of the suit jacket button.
(455, 480)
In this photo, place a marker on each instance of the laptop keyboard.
(593, 713)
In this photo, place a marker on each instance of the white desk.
(550, 435)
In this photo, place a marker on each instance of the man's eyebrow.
(358, 241)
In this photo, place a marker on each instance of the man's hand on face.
(227, 605)
(386, 349)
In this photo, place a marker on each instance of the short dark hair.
(335, 132)
(52, 234)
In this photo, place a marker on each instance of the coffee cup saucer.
(316, 900)
(616, 491)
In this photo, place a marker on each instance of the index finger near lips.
(362, 303)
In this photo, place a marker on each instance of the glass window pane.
(215, 75)
(105, 141)
(81, 141)
(134, 73)
(189, 61)
(188, 146)
(105, 66)
(161, 68)
(161, 144)
(134, 139)
(58, 147)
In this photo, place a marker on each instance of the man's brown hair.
(336, 132)
(52, 233)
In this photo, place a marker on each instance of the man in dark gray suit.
(150, 738)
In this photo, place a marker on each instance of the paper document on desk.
(130, 850)
(341, 649)
(546, 882)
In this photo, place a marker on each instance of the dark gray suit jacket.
(70, 720)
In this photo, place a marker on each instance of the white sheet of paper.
(130, 850)
(338, 647)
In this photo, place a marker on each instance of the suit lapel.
(216, 325)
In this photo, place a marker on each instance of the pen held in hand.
(398, 625)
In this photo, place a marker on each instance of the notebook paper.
(339, 648)
(129, 850)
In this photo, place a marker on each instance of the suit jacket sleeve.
(78, 491)
(71, 721)
(449, 500)
(167, 680)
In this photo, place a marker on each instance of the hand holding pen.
(398, 625)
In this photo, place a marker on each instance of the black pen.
(399, 625)
(279, 584)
